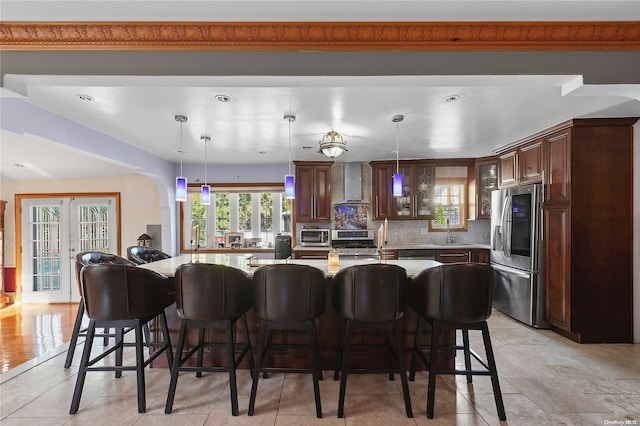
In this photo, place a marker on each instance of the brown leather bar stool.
(454, 296)
(83, 259)
(123, 296)
(371, 296)
(211, 296)
(141, 255)
(288, 297)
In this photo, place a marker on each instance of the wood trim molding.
(617, 35)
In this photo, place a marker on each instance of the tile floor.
(545, 379)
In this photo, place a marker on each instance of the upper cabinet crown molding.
(547, 35)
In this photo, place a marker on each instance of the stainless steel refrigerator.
(516, 253)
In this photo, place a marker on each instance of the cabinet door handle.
(377, 207)
(313, 207)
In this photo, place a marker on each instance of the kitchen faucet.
(449, 238)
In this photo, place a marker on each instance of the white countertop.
(407, 246)
(168, 266)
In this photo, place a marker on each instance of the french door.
(53, 231)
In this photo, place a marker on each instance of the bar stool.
(454, 296)
(211, 296)
(371, 296)
(122, 296)
(288, 296)
(141, 255)
(83, 259)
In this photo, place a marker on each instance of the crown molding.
(619, 35)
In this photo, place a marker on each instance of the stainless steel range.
(354, 243)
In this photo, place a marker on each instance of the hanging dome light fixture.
(333, 144)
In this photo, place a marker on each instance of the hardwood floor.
(29, 331)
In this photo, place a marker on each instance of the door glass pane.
(45, 240)
(403, 203)
(93, 227)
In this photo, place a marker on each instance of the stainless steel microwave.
(314, 237)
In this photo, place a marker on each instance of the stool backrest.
(375, 292)
(456, 292)
(289, 292)
(123, 292)
(92, 257)
(210, 292)
(141, 255)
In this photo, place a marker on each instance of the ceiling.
(492, 110)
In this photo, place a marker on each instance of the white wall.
(139, 204)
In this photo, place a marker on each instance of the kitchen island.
(328, 324)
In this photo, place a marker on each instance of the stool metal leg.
(315, 367)
(248, 344)
(467, 354)
(74, 335)
(416, 347)
(345, 356)
(142, 404)
(256, 374)
(497, 394)
(82, 373)
(200, 350)
(175, 367)
(403, 371)
(233, 386)
(433, 367)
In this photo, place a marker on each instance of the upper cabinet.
(486, 181)
(521, 165)
(313, 191)
(418, 190)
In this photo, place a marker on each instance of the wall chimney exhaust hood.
(353, 184)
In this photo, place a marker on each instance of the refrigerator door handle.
(522, 274)
(505, 234)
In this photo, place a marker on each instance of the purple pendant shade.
(397, 185)
(289, 187)
(181, 188)
(205, 194)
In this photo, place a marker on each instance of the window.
(450, 204)
(259, 212)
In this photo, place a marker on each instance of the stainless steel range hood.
(353, 184)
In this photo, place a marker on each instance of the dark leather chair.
(83, 259)
(288, 296)
(371, 296)
(211, 296)
(120, 296)
(141, 255)
(454, 296)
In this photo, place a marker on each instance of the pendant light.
(181, 181)
(289, 180)
(205, 190)
(397, 177)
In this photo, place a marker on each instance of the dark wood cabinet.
(588, 236)
(381, 176)
(486, 181)
(311, 254)
(521, 165)
(530, 162)
(418, 190)
(453, 255)
(313, 191)
(480, 256)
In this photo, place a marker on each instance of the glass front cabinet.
(418, 191)
(486, 182)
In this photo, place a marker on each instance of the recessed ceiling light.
(262, 152)
(452, 98)
(307, 147)
(85, 98)
(223, 98)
